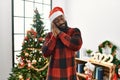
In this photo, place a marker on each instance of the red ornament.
(21, 64)
(115, 77)
(40, 39)
(33, 33)
(22, 58)
(26, 38)
(86, 77)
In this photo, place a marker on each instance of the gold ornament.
(29, 64)
(34, 61)
(20, 77)
(26, 54)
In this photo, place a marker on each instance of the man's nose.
(61, 22)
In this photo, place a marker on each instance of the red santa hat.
(55, 12)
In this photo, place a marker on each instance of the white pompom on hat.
(55, 12)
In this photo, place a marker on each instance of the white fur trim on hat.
(55, 14)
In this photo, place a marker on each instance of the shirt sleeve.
(73, 41)
(49, 44)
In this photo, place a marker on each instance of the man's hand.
(55, 30)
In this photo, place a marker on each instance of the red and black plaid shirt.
(62, 51)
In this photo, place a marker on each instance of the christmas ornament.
(28, 79)
(40, 39)
(26, 38)
(88, 70)
(28, 61)
(29, 65)
(30, 39)
(21, 64)
(40, 52)
(20, 77)
(22, 58)
(35, 50)
(41, 44)
(34, 61)
(25, 41)
(43, 39)
(26, 54)
(31, 45)
(115, 77)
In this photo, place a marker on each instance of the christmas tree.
(31, 63)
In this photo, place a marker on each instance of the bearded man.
(60, 45)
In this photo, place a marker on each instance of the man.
(60, 45)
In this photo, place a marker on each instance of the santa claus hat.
(55, 12)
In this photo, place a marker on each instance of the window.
(22, 18)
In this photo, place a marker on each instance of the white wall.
(5, 39)
(98, 20)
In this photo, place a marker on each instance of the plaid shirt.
(62, 51)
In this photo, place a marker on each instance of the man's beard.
(63, 27)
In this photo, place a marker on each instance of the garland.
(113, 52)
(41, 69)
(34, 68)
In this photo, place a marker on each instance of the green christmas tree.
(31, 63)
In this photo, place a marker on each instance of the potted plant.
(89, 51)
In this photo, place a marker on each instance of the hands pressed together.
(55, 30)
